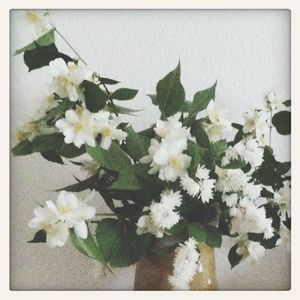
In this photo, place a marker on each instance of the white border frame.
(293, 5)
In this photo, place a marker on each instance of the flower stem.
(270, 128)
(68, 43)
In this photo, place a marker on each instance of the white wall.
(247, 51)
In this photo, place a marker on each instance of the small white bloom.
(256, 124)
(46, 219)
(108, 129)
(189, 185)
(249, 250)
(39, 20)
(283, 199)
(168, 159)
(230, 200)
(77, 127)
(218, 126)
(172, 129)
(73, 212)
(67, 77)
(162, 215)
(285, 236)
(252, 191)
(272, 103)
(186, 265)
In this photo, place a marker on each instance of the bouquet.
(192, 175)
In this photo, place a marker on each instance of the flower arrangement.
(182, 177)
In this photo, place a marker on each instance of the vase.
(152, 271)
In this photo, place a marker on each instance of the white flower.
(249, 250)
(272, 103)
(67, 77)
(186, 265)
(46, 219)
(39, 20)
(283, 199)
(168, 159)
(172, 130)
(108, 129)
(285, 236)
(230, 200)
(256, 124)
(202, 186)
(247, 217)
(252, 191)
(218, 125)
(73, 212)
(248, 150)
(162, 215)
(77, 127)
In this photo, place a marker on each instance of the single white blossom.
(283, 199)
(272, 103)
(172, 129)
(257, 125)
(67, 77)
(231, 199)
(162, 215)
(168, 159)
(218, 126)
(39, 20)
(46, 219)
(249, 250)
(185, 265)
(77, 127)
(73, 212)
(108, 129)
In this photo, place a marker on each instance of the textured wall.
(246, 51)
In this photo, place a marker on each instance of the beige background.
(247, 51)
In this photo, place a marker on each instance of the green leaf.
(114, 159)
(95, 98)
(153, 98)
(71, 151)
(214, 237)
(137, 145)
(52, 156)
(218, 150)
(200, 134)
(108, 81)
(121, 109)
(170, 93)
(197, 231)
(287, 103)
(120, 248)
(198, 156)
(80, 186)
(43, 143)
(44, 40)
(233, 257)
(39, 237)
(42, 55)
(77, 243)
(58, 111)
(177, 228)
(200, 102)
(22, 148)
(282, 122)
(124, 94)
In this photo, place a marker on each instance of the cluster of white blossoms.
(247, 150)
(249, 251)
(81, 127)
(67, 77)
(166, 156)
(186, 264)
(162, 214)
(218, 126)
(273, 103)
(247, 217)
(57, 218)
(283, 199)
(202, 186)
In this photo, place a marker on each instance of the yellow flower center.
(50, 228)
(176, 163)
(63, 209)
(106, 132)
(78, 126)
(33, 17)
